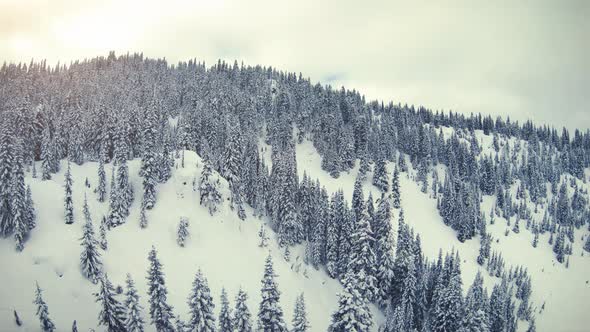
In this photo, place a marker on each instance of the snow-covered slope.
(227, 251)
(224, 247)
(563, 291)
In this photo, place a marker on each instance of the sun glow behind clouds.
(93, 33)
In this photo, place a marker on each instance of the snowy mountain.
(133, 194)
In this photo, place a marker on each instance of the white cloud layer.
(523, 59)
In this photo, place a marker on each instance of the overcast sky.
(525, 59)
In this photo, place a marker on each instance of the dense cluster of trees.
(113, 109)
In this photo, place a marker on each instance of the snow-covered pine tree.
(90, 261)
(101, 190)
(358, 200)
(242, 321)
(46, 155)
(19, 224)
(112, 312)
(448, 308)
(201, 306)
(210, 196)
(182, 232)
(160, 311)
(353, 313)
(395, 189)
(102, 234)
(142, 217)
(395, 320)
(270, 314)
(166, 160)
(380, 178)
(408, 300)
(362, 259)
(476, 307)
(43, 312)
(134, 321)
(68, 202)
(31, 215)
(149, 161)
(263, 237)
(226, 321)
(300, 322)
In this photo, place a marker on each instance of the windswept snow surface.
(224, 247)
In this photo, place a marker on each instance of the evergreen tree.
(149, 161)
(46, 156)
(242, 318)
(226, 323)
(210, 196)
(358, 201)
(69, 205)
(30, 212)
(43, 312)
(395, 320)
(300, 322)
(362, 259)
(101, 190)
(90, 261)
(112, 313)
(395, 189)
(134, 321)
(142, 217)
(447, 312)
(182, 232)
(160, 312)
(270, 314)
(353, 313)
(20, 224)
(102, 234)
(201, 306)
(380, 178)
(408, 300)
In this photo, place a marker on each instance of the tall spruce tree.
(300, 322)
(101, 190)
(201, 306)
(226, 323)
(395, 189)
(68, 202)
(112, 312)
(210, 197)
(20, 209)
(353, 312)
(362, 259)
(149, 161)
(160, 311)
(242, 321)
(134, 321)
(43, 312)
(270, 314)
(90, 261)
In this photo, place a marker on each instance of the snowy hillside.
(158, 186)
(562, 291)
(224, 247)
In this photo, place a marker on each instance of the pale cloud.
(525, 59)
